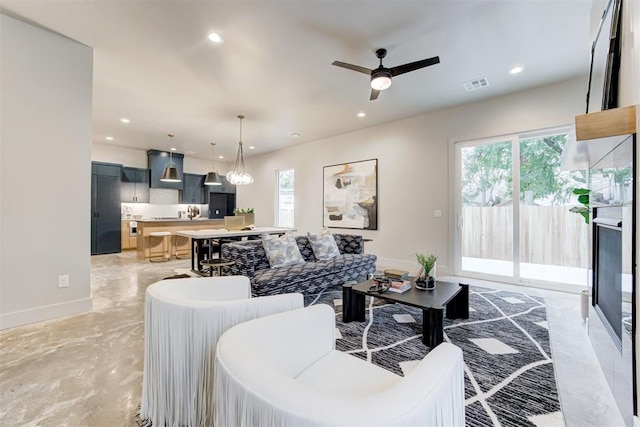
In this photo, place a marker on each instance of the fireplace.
(611, 318)
(607, 270)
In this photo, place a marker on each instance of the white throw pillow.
(324, 246)
(281, 251)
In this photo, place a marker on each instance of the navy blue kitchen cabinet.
(135, 185)
(194, 189)
(105, 208)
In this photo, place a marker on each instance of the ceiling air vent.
(476, 84)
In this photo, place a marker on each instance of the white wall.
(413, 168)
(45, 145)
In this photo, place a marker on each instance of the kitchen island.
(177, 244)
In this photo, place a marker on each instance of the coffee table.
(453, 297)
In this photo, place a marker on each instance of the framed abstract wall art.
(351, 195)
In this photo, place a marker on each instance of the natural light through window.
(539, 238)
(284, 198)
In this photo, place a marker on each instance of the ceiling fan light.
(213, 179)
(380, 82)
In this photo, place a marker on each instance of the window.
(284, 198)
(539, 238)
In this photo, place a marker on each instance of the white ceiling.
(154, 65)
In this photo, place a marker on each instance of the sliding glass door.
(486, 213)
(514, 205)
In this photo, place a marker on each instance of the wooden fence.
(549, 235)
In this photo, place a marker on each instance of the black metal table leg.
(193, 253)
(432, 319)
(353, 305)
(458, 307)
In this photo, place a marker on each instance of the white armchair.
(284, 370)
(183, 320)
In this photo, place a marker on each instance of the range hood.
(157, 161)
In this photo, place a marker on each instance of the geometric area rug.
(509, 372)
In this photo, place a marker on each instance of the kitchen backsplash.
(156, 210)
(163, 196)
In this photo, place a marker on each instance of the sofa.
(284, 370)
(308, 278)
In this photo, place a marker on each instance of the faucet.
(194, 212)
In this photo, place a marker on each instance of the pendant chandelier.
(170, 173)
(212, 177)
(238, 175)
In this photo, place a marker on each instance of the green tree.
(286, 179)
(486, 170)
(540, 170)
(487, 173)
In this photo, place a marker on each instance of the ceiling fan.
(381, 76)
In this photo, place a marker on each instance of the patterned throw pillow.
(281, 251)
(324, 245)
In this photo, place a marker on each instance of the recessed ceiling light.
(125, 120)
(109, 138)
(251, 147)
(221, 157)
(362, 114)
(516, 70)
(216, 38)
(294, 135)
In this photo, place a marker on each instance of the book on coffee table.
(399, 286)
(394, 273)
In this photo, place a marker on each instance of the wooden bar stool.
(178, 244)
(166, 236)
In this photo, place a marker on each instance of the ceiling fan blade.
(374, 95)
(352, 67)
(401, 69)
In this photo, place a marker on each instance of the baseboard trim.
(47, 312)
(410, 266)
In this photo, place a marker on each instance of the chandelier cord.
(213, 156)
(239, 165)
(239, 175)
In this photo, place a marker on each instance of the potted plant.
(425, 279)
(248, 213)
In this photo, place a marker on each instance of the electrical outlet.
(63, 281)
(437, 213)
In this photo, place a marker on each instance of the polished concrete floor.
(86, 370)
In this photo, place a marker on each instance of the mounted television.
(605, 61)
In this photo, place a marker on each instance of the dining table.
(199, 238)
